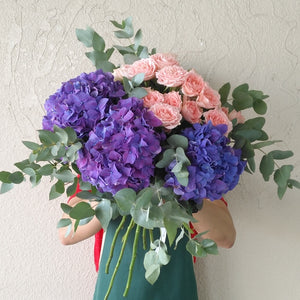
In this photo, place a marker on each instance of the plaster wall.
(238, 41)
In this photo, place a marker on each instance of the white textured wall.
(237, 41)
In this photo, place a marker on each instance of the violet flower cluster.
(81, 102)
(215, 166)
(120, 150)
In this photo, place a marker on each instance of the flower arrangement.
(147, 140)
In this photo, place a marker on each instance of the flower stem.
(144, 239)
(112, 247)
(119, 259)
(134, 251)
(151, 235)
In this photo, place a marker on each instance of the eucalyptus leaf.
(16, 177)
(104, 212)
(278, 154)
(224, 92)
(266, 166)
(63, 223)
(177, 140)
(168, 157)
(152, 273)
(66, 208)
(5, 187)
(138, 92)
(81, 210)
(47, 137)
(31, 145)
(125, 199)
(4, 177)
(260, 107)
(85, 36)
(282, 175)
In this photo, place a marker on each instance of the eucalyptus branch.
(113, 244)
(133, 258)
(119, 259)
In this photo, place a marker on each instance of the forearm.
(83, 232)
(215, 218)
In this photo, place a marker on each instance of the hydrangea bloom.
(82, 101)
(120, 150)
(215, 166)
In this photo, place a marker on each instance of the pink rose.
(121, 72)
(152, 97)
(217, 116)
(162, 60)
(209, 98)
(169, 115)
(191, 111)
(236, 115)
(193, 84)
(171, 76)
(145, 65)
(174, 99)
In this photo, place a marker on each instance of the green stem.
(134, 251)
(151, 235)
(119, 259)
(113, 244)
(144, 239)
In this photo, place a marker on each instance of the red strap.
(98, 235)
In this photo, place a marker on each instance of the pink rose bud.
(152, 97)
(162, 60)
(169, 115)
(217, 116)
(121, 72)
(193, 84)
(209, 98)
(145, 65)
(191, 111)
(174, 99)
(237, 115)
(171, 76)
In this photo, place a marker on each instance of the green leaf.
(126, 85)
(87, 195)
(242, 101)
(171, 228)
(248, 134)
(65, 176)
(98, 42)
(277, 154)
(85, 221)
(16, 177)
(116, 24)
(152, 273)
(138, 92)
(138, 79)
(294, 183)
(281, 191)
(66, 208)
(62, 134)
(163, 257)
(129, 58)
(247, 150)
(125, 50)
(195, 248)
(177, 140)
(251, 163)
(266, 166)
(46, 170)
(142, 52)
(241, 88)
(56, 190)
(72, 136)
(105, 65)
(254, 123)
(4, 177)
(177, 168)
(104, 212)
(85, 36)
(47, 137)
(282, 175)
(264, 144)
(180, 156)
(168, 157)
(210, 246)
(5, 187)
(125, 199)
(71, 190)
(63, 222)
(81, 210)
(31, 145)
(44, 155)
(224, 92)
(260, 107)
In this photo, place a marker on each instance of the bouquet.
(147, 140)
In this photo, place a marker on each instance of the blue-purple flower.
(215, 166)
(82, 101)
(120, 150)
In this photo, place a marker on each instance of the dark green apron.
(176, 280)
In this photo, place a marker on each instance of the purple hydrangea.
(82, 101)
(120, 150)
(215, 166)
